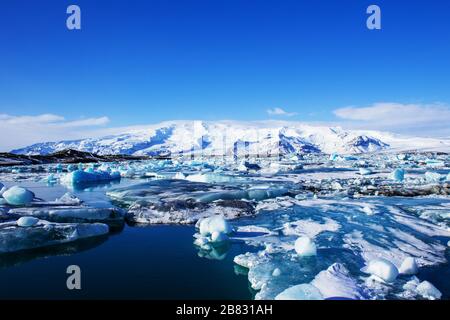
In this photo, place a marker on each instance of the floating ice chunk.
(71, 167)
(398, 175)
(409, 266)
(300, 292)
(432, 177)
(276, 272)
(51, 178)
(382, 269)
(68, 199)
(336, 186)
(14, 238)
(368, 210)
(71, 214)
(433, 163)
(336, 282)
(127, 172)
(334, 157)
(412, 284)
(272, 168)
(402, 156)
(80, 177)
(180, 176)
(447, 178)
(213, 224)
(18, 196)
(1, 186)
(304, 246)
(428, 291)
(27, 221)
(365, 171)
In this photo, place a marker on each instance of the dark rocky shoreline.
(65, 156)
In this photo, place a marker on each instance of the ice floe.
(14, 237)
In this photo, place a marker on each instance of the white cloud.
(43, 118)
(280, 112)
(19, 131)
(428, 119)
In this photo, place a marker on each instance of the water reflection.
(20, 257)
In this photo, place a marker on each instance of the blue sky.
(137, 62)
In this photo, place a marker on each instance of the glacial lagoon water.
(137, 262)
(160, 261)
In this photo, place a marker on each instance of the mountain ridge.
(239, 137)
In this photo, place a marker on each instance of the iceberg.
(428, 291)
(305, 247)
(71, 213)
(432, 177)
(365, 171)
(43, 233)
(18, 196)
(409, 266)
(213, 224)
(276, 272)
(382, 269)
(398, 175)
(85, 177)
(27, 221)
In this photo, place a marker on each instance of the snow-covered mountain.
(232, 137)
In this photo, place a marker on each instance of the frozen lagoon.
(327, 201)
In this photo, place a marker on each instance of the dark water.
(158, 262)
(153, 262)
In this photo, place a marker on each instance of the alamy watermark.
(73, 21)
(73, 282)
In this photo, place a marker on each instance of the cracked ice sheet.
(344, 234)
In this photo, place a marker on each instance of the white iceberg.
(382, 269)
(213, 224)
(409, 266)
(428, 291)
(304, 247)
(365, 171)
(432, 177)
